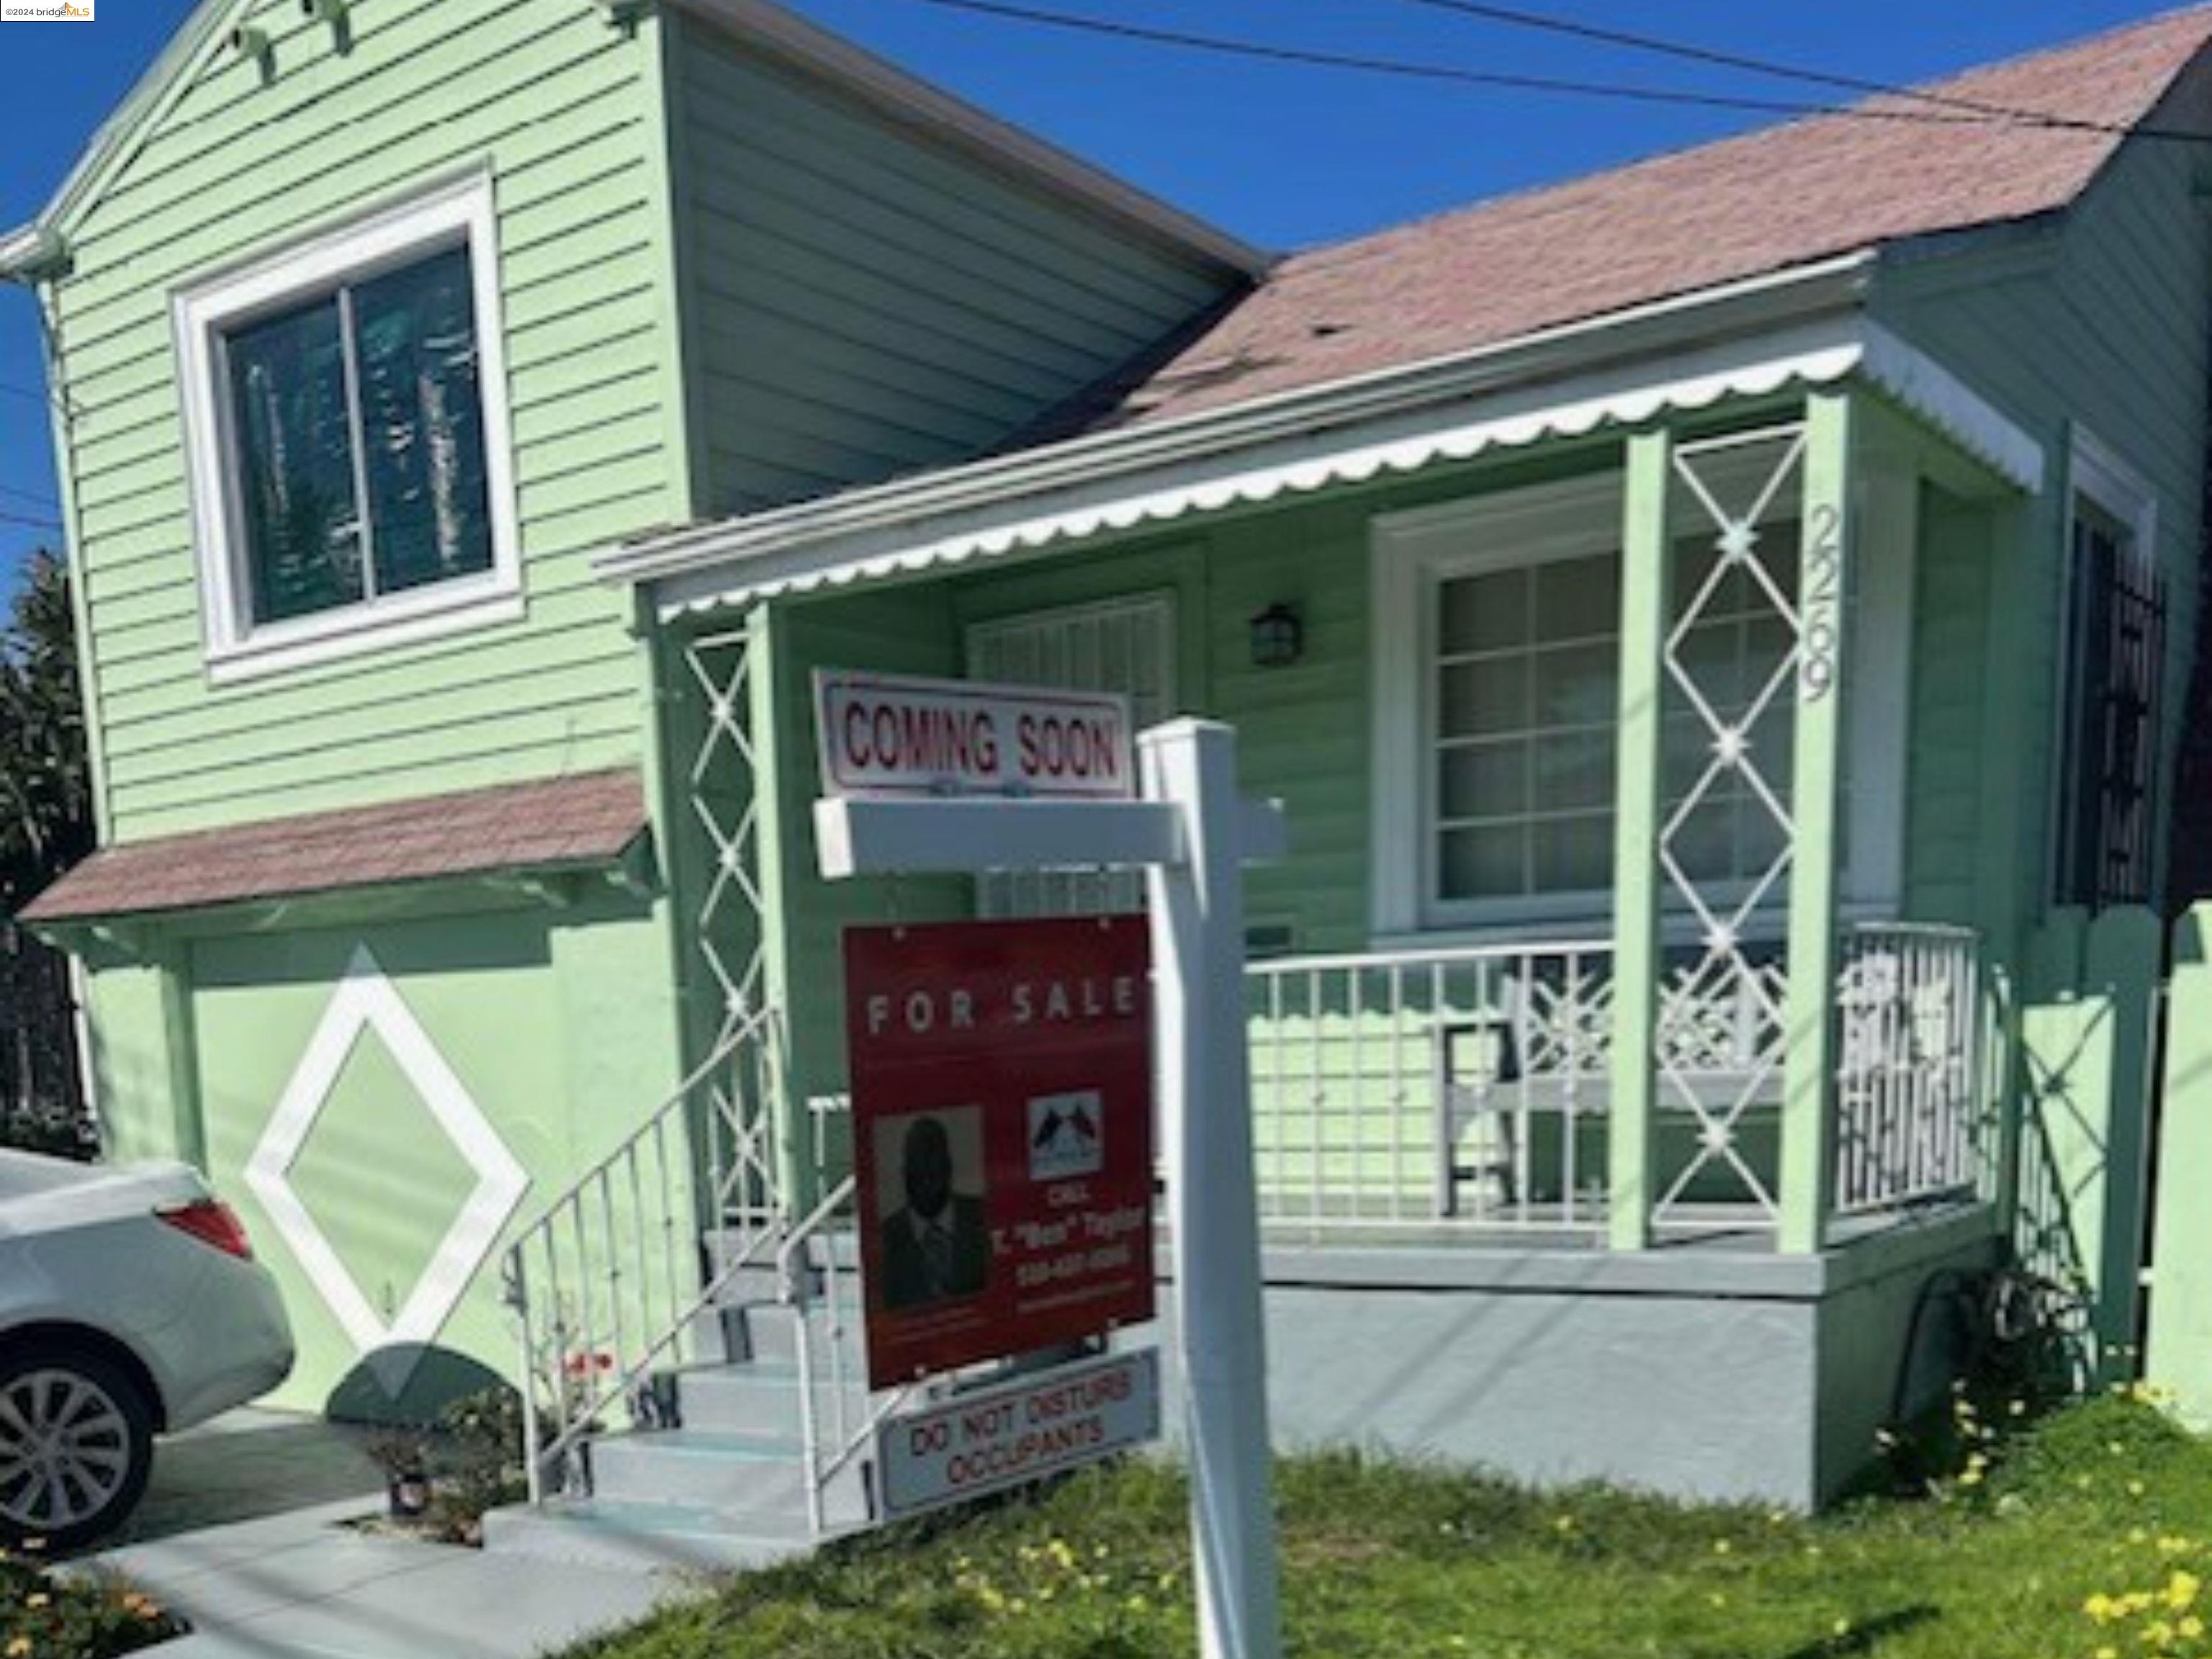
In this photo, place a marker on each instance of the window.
(2114, 652)
(346, 420)
(1526, 693)
(1124, 645)
(1497, 651)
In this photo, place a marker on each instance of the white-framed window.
(1496, 647)
(2112, 649)
(1126, 645)
(347, 431)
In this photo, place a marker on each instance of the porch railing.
(1915, 1037)
(1474, 1085)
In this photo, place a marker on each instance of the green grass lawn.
(2080, 1538)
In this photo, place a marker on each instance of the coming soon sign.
(889, 735)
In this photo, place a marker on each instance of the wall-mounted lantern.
(1277, 636)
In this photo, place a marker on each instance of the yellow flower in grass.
(2101, 1607)
(2192, 1628)
(2182, 1589)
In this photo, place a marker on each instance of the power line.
(1270, 52)
(30, 496)
(33, 524)
(1574, 28)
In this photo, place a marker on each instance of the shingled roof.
(579, 822)
(1725, 212)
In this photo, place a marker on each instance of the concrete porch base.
(1710, 1370)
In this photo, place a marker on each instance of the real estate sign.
(1002, 1122)
(995, 1438)
(891, 735)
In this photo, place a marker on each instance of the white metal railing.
(1473, 1084)
(1393, 1087)
(607, 1285)
(818, 1269)
(1914, 1040)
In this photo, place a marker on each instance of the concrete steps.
(725, 1486)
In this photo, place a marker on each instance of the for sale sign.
(1002, 1117)
(886, 735)
(996, 1438)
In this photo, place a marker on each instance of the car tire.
(76, 1443)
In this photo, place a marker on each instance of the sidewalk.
(296, 1583)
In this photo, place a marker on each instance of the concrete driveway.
(242, 1534)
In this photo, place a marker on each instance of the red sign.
(884, 734)
(1002, 1122)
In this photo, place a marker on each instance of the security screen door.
(1124, 645)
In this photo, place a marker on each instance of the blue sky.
(1285, 156)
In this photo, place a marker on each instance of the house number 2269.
(1824, 581)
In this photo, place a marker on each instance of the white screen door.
(1125, 645)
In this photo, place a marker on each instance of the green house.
(1717, 629)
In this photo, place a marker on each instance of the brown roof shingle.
(588, 819)
(1743, 207)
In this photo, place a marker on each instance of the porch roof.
(587, 821)
(1671, 358)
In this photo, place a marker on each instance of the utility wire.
(31, 498)
(34, 524)
(1575, 29)
(1270, 52)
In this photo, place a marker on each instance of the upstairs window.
(2115, 656)
(346, 420)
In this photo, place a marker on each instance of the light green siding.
(865, 300)
(2097, 318)
(556, 105)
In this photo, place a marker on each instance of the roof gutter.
(1757, 306)
(30, 252)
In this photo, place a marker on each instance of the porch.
(1580, 750)
(1611, 1015)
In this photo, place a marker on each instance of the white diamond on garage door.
(367, 1001)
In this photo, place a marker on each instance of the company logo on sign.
(1068, 1136)
(887, 735)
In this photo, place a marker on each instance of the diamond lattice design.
(1721, 1015)
(724, 796)
(365, 1002)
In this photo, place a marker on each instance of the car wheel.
(76, 1443)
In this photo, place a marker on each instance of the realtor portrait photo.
(935, 1242)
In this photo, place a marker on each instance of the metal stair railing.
(603, 1283)
(838, 1416)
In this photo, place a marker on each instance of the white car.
(130, 1305)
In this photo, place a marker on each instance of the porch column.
(1808, 1096)
(777, 821)
(1646, 588)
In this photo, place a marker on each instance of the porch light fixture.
(1277, 636)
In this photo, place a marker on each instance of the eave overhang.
(1806, 328)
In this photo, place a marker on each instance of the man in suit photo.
(937, 1245)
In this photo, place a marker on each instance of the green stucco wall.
(557, 1024)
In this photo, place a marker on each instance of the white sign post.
(1193, 834)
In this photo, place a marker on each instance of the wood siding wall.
(865, 300)
(2098, 319)
(558, 106)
